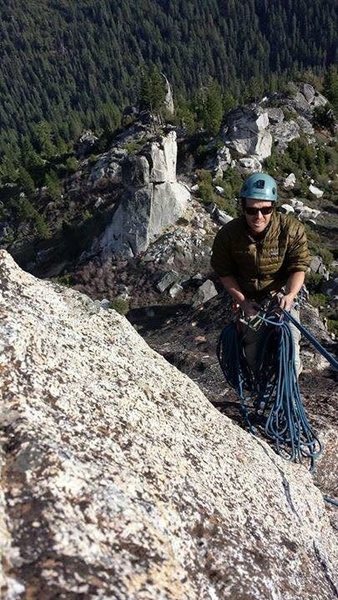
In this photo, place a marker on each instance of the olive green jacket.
(261, 266)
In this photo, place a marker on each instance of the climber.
(262, 254)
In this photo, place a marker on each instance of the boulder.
(316, 191)
(85, 143)
(248, 165)
(222, 162)
(106, 170)
(163, 157)
(319, 100)
(276, 115)
(221, 216)
(306, 128)
(120, 480)
(175, 290)
(284, 132)
(301, 105)
(246, 132)
(204, 293)
(286, 208)
(317, 266)
(135, 172)
(307, 214)
(309, 92)
(167, 280)
(289, 181)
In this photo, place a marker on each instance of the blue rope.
(329, 357)
(273, 391)
(331, 500)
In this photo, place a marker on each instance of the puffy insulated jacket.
(261, 266)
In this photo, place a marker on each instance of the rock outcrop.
(252, 131)
(169, 100)
(246, 132)
(120, 480)
(151, 200)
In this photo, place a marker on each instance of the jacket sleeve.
(221, 260)
(298, 257)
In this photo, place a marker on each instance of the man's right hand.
(249, 308)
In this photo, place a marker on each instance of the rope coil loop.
(272, 392)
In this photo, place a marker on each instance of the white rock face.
(120, 480)
(169, 100)
(247, 134)
(289, 181)
(286, 208)
(163, 156)
(146, 206)
(316, 191)
(169, 203)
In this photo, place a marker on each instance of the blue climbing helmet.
(259, 186)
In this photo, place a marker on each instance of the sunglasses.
(251, 210)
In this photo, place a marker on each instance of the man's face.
(258, 221)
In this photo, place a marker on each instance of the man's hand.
(286, 301)
(249, 308)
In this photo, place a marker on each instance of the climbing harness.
(270, 397)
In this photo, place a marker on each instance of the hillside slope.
(73, 64)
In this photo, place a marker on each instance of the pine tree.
(153, 90)
(212, 108)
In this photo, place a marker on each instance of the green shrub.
(206, 192)
(66, 280)
(332, 325)
(133, 147)
(318, 300)
(53, 184)
(42, 227)
(314, 282)
(323, 116)
(72, 164)
(120, 305)
(289, 115)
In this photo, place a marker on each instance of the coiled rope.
(272, 393)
